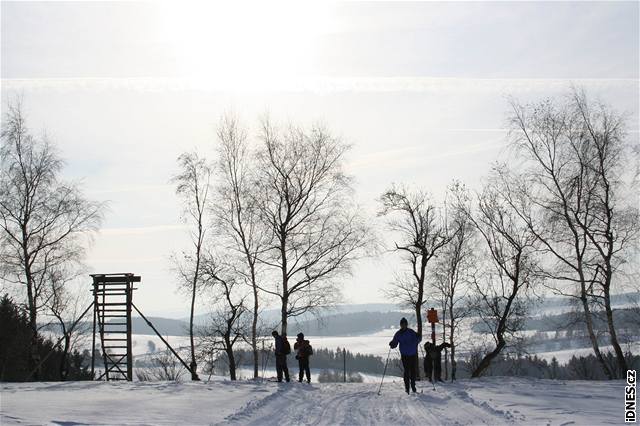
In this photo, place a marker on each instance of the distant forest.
(363, 323)
(508, 364)
(625, 319)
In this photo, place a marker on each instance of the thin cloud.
(309, 84)
(142, 230)
(125, 260)
(132, 188)
(405, 157)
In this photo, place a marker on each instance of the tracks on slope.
(355, 404)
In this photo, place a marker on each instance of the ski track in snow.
(359, 404)
(485, 401)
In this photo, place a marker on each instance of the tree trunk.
(622, 362)
(254, 326)
(34, 356)
(232, 361)
(193, 365)
(420, 298)
(283, 328)
(486, 361)
(453, 362)
(65, 349)
(590, 330)
(444, 339)
(285, 288)
(64, 372)
(419, 318)
(419, 326)
(419, 304)
(451, 339)
(608, 255)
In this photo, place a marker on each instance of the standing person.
(408, 340)
(282, 350)
(303, 352)
(432, 360)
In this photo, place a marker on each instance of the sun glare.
(259, 44)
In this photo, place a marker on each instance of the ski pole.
(266, 363)
(385, 370)
(433, 382)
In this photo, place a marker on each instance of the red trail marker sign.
(432, 317)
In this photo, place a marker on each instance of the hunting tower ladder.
(112, 303)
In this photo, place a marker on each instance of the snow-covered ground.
(489, 401)
(270, 373)
(375, 344)
(564, 356)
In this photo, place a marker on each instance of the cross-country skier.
(432, 360)
(282, 350)
(408, 340)
(303, 352)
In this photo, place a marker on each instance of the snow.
(563, 356)
(126, 402)
(247, 373)
(375, 344)
(491, 401)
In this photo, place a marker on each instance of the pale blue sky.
(419, 89)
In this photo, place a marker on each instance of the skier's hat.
(404, 321)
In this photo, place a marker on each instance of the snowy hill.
(272, 316)
(364, 319)
(489, 401)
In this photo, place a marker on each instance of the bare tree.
(227, 325)
(193, 185)
(422, 232)
(44, 220)
(614, 224)
(581, 210)
(455, 267)
(501, 290)
(306, 203)
(236, 212)
(66, 306)
(164, 367)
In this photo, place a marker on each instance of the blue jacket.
(408, 340)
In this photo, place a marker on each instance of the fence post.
(344, 365)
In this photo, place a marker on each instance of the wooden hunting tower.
(112, 303)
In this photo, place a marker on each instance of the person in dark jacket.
(281, 357)
(303, 352)
(408, 341)
(432, 360)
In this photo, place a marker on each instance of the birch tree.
(228, 324)
(421, 233)
(45, 221)
(501, 292)
(193, 185)
(237, 214)
(456, 266)
(306, 202)
(583, 210)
